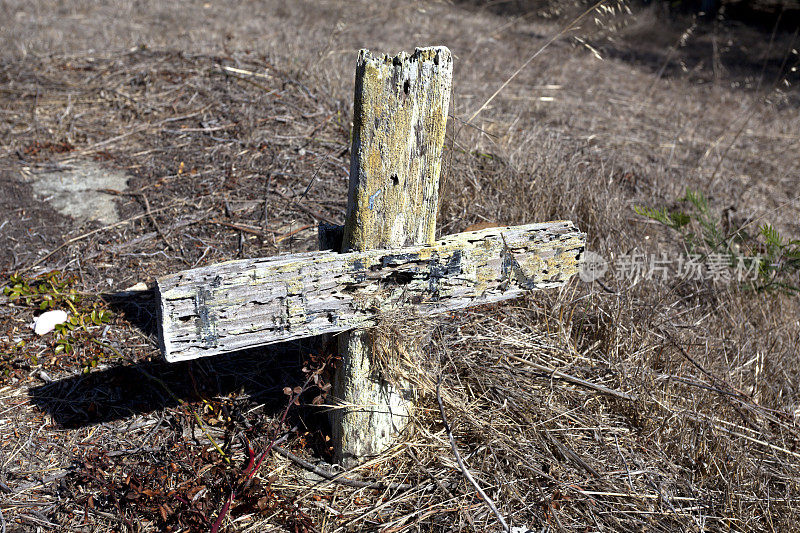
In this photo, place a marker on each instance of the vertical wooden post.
(400, 113)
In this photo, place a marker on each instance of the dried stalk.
(461, 464)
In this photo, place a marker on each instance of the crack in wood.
(253, 302)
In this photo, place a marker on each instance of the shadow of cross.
(389, 260)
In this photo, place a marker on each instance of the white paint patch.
(75, 190)
(47, 322)
(374, 198)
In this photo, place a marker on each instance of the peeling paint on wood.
(253, 302)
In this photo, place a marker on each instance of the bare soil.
(230, 125)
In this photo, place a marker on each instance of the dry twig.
(461, 464)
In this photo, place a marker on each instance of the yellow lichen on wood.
(400, 111)
(399, 122)
(253, 302)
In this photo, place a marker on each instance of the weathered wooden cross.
(389, 260)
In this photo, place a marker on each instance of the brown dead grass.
(222, 161)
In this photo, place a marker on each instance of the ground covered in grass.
(140, 139)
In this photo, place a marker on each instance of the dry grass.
(699, 430)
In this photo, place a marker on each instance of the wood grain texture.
(399, 118)
(253, 302)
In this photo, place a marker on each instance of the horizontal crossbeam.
(254, 302)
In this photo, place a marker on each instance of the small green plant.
(47, 291)
(774, 259)
(76, 326)
(709, 239)
(782, 260)
(55, 290)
